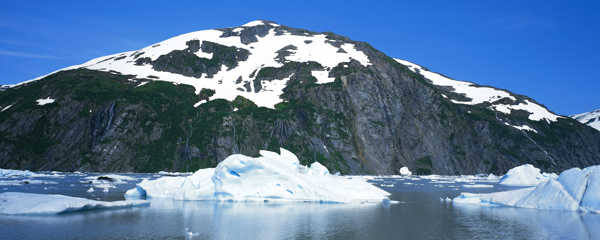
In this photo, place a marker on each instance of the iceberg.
(271, 177)
(405, 172)
(573, 190)
(525, 175)
(15, 203)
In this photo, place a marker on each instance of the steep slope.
(591, 119)
(266, 86)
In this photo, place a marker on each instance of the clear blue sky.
(548, 50)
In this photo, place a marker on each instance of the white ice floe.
(4, 173)
(90, 190)
(477, 186)
(45, 101)
(574, 190)
(24, 181)
(526, 175)
(114, 178)
(108, 180)
(479, 94)
(405, 172)
(190, 234)
(42, 204)
(272, 177)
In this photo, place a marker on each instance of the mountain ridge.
(591, 118)
(263, 86)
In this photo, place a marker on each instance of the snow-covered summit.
(479, 94)
(591, 119)
(268, 44)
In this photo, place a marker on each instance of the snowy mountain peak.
(206, 59)
(591, 119)
(260, 22)
(500, 100)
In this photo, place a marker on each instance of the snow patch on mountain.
(262, 54)
(479, 94)
(591, 119)
(44, 101)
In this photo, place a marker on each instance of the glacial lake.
(419, 215)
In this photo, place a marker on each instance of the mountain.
(591, 119)
(190, 101)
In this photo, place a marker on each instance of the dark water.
(419, 215)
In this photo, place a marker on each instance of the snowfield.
(14, 203)
(263, 54)
(573, 190)
(482, 94)
(591, 119)
(272, 177)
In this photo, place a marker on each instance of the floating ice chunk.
(448, 199)
(526, 175)
(91, 189)
(574, 190)
(196, 187)
(19, 173)
(478, 186)
(272, 177)
(136, 192)
(316, 169)
(189, 234)
(405, 172)
(468, 198)
(42, 204)
(591, 197)
(105, 190)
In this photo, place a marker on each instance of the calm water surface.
(419, 215)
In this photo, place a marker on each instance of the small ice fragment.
(405, 172)
(189, 233)
(448, 199)
(441, 199)
(105, 190)
(72, 185)
(478, 186)
(91, 189)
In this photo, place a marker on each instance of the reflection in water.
(532, 223)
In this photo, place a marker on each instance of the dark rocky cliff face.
(370, 120)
